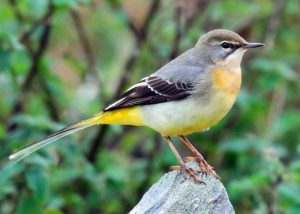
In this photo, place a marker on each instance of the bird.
(191, 93)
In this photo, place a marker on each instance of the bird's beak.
(253, 45)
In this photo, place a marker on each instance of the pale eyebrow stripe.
(215, 42)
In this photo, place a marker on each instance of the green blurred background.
(62, 60)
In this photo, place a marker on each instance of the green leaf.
(4, 59)
(53, 211)
(65, 4)
(36, 181)
(289, 193)
(29, 204)
(6, 179)
(20, 62)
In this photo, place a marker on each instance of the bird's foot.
(187, 170)
(204, 166)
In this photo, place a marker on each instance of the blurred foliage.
(63, 60)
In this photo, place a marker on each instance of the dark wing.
(152, 90)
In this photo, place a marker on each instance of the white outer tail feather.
(19, 155)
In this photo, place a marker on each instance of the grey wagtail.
(189, 94)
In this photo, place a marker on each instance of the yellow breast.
(226, 81)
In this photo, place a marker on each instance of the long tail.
(24, 152)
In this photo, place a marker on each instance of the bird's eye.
(225, 45)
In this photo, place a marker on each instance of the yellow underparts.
(124, 116)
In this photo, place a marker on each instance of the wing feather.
(152, 90)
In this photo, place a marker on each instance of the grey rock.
(175, 193)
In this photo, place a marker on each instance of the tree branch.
(274, 21)
(33, 70)
(16, 11)
(85, 45)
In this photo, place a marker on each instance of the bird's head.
(224, 47)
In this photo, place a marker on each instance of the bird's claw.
(187, 170)
(204, 166)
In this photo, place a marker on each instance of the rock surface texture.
(175, 193)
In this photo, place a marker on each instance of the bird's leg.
(182, 166)
(199, 158)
